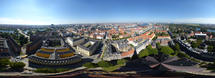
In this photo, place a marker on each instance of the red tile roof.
(123, 54)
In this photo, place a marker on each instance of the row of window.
(37, 60)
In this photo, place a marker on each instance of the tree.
(154, 38)
(188, 41)
(115, 36)
(4, 35)
(135, 56)
(148, 51)
(213, 63)
(143, 53)
(177, 47)
(152, 50)
(23, 40)
(125, 32)
(182, 55)
(210, 48)
(176, 53)
(167, 50)
(199, 41)
(203, 29)
(194, 45)
(158, 46)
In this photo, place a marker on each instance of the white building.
(74, 42)
(142, 46)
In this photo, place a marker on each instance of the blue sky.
(104, 11)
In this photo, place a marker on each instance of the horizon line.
(112, 23)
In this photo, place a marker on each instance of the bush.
(194, 45)
(3, 64)
(182, 55)
(50, 70)
(17, 65)
(104, 64)
(177, 47)
(121, 61)
(210, 48)
(61, 69)
(175, 53)
(195, 60)
(89, 65)
(45, 70)
(111, 68)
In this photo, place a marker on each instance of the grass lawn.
(112, 68)
(21, 53)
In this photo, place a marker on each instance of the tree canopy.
(158, 46)
(177, 47)
(194, 45)
(182, 55)
(152, 50)
(167, 50)
(23, 40)
(210, 48)
(143, 53)
(148, 51)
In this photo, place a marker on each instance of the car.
(24, 56)
(18, 57)
(27, 72)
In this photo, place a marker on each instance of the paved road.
(20, 31)
(11, 53)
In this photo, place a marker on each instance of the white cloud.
(20, 21)
(196, 20)
(44, 21)
(49, 21)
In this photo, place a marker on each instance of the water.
(26, 31)
(145, 24)
(43, 29)
(7, 31)
(209, 30)
(197, 29)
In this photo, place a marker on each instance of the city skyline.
(106, 11)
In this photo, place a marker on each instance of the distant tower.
(52, 25)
